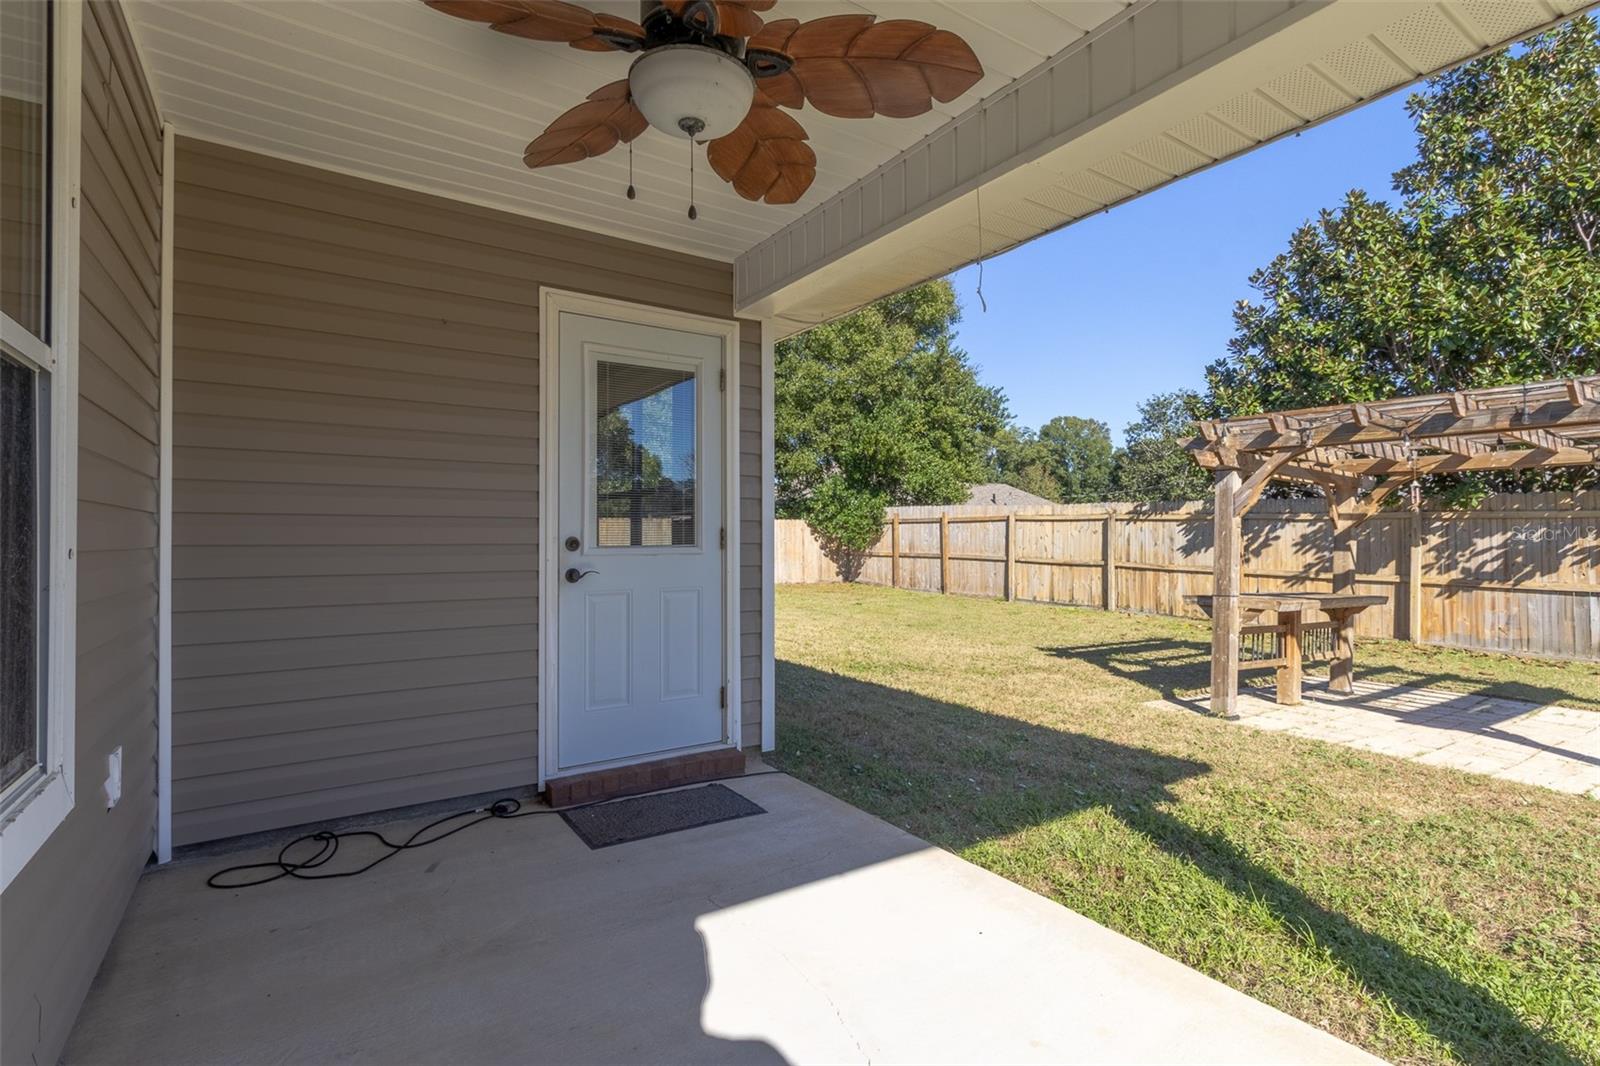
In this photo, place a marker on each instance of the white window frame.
(592, 358)
(39, 803)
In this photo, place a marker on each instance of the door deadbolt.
(572, 544)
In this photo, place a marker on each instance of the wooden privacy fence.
(1520, 574)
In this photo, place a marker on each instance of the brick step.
(644, 777)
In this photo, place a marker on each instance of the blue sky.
(1093, 319)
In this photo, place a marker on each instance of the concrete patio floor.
(1550, 746)
(812, 933)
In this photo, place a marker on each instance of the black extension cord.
(328, 841)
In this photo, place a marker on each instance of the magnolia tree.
(1486, 271)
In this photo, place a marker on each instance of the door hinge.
(722, 381)
(724, 697)
(722, 538)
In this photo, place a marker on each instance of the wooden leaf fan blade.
(548, 20)
(766, 158)
(853, 66)
(608, 117)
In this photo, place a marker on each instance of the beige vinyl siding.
(58, 915)
(356, 472)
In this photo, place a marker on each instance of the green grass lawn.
(1423, 913)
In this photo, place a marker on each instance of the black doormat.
(624, 821)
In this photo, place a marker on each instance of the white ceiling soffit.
(391, 90)
(1169, 88)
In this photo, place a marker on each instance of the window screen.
(19, 572)
(644, 460)
(25, 162)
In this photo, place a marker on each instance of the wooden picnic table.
(1291, 607)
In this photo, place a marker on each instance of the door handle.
(574, 575)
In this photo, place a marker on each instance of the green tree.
(1486, 271)
(880, 408)
(1080, 457)
(1153, 466)
(1018, 457)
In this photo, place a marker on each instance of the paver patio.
(1550, 746)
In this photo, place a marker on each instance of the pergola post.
(1341, 668)
(1344, 560)
(1225, 617)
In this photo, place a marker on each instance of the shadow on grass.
(1175, 666)
(1170, 665)
(961, 776)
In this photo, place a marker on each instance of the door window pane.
(19, 572)
(644, 460)
(24, 162)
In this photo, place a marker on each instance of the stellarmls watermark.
(1532, 533)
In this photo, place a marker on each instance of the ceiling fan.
(715, 72)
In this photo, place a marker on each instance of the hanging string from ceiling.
(983, 140)
(981, 301)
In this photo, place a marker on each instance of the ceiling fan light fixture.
(691, 90)
(695, 75)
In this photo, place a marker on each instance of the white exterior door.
(639, 611)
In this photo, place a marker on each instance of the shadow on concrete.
(887, 750)
(813, 932)
(1397, 678)
(1458, 712)
(508, 942)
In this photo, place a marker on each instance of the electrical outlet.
(113, 784)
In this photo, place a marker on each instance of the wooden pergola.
(1360, 454)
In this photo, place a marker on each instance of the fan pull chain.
(631, 194)
(693, 213)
